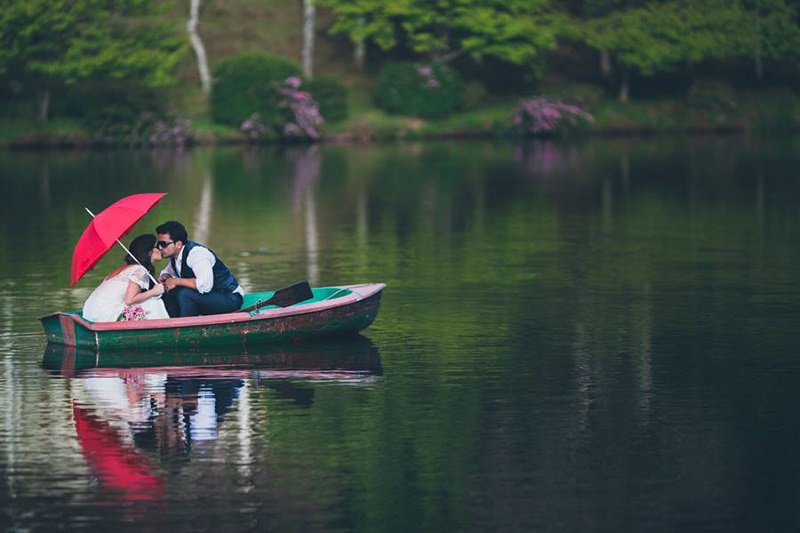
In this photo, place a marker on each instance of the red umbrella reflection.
(117, 465)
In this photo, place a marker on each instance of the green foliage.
(776, 111)
(246, 84)
(583, 94)
(474, 95)
(517, 31)
(659, 36)
(713, 95)
(113, 111)
(419, 90)
(73, 40)
(331, 95)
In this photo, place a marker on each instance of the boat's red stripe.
(359, 292)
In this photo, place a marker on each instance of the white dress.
(107, 301)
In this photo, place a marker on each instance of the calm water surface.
(597, 336)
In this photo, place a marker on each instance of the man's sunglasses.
(164, 244)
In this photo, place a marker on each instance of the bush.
(713, 95)
(245, 84)
(298, 113)
(331, 95)
(537, 116)
(474, 95)
(419, 90)
(113, 111)
(301, 114)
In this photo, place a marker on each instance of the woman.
(125, 294)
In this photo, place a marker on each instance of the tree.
(769, 31)
(662, 35)
(517, 31)
(308, 37)
(588, 9)
(659, 36)
(53, 42)
(197, 46)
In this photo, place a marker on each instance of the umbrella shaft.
(128, 252)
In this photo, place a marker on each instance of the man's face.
(168, 247)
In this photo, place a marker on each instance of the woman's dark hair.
(174, 229)
(140, 248)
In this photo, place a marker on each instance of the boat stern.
(66, 329)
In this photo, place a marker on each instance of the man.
(196, 280)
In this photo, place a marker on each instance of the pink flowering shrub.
(541, 115)
(298, 115)
(174, 132)
(253, 126)
(132, 312)
(303, 112)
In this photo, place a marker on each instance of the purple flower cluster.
(253, 126)
(304, 111)
(543, 115)
(176, 132)
(426, 71)
(132, 312)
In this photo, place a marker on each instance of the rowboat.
(331, 311)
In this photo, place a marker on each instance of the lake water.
(589, 336)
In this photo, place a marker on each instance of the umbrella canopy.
(106, 228)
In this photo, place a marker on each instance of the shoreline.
(354, 138)
(760, 116)
(41, 144)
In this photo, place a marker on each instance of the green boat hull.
(333, 311)
(312, 358)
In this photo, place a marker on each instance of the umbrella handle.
(129, 253)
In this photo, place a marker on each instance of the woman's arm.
(134, 294)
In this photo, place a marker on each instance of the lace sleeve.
(138, 275)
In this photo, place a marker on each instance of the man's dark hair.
(175, 230)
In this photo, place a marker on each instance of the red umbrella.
(106, 228)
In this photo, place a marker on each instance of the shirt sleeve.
(201, 261)
(138, 275)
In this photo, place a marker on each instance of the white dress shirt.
(201, 261)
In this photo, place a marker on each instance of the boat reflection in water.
(140, 415)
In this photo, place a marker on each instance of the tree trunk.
(757, 53)
(43, 105)
(624, 87)
(605, 63)
(360, 52)
(308, 37)
(197, 46)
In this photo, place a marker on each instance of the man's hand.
(170, 283)
(163, 277)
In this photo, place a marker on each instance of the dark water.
(598, 336)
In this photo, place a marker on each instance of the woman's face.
(155, 254)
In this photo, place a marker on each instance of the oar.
(289, 295)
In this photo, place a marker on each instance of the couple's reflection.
(138, 417)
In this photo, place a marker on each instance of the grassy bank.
(761, 114)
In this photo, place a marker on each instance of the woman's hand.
(158, 289)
